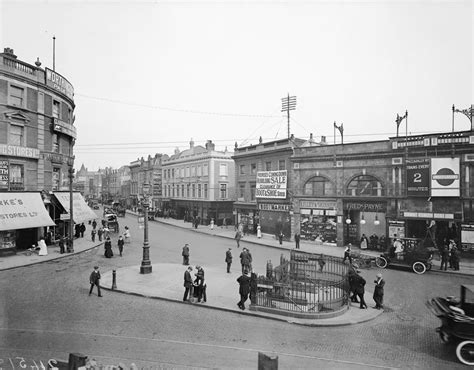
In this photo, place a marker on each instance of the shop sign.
(54, 158)
(396, 228)
(467, 238)
(4, 174)
(318, 204)
(19, 151)
(365, 206)
(271, 184)
(59, 83)
(418, 177)
(445, 177)
(274, 207)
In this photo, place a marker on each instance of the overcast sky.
(150, 75)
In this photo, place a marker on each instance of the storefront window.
(318, 186)
(365, 186)
(16, 177)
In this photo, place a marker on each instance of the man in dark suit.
(360, 290)
(244, 289)
(94, 279)
(378, 291)
(228, 259)
(297, 240)
(188, 282)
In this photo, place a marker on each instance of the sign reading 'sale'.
(271, 184)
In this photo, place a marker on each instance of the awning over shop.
(81, 211)
(23, 211)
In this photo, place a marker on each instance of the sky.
(149, 76)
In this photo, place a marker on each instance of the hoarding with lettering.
(418, 177)
(271, 184)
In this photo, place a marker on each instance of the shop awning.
(81, 212)
(23, 211)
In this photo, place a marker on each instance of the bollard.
(114, 280)
(267, 362)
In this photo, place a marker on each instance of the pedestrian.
(347, 253)
(224, 222)
(61, 244)
(259, 231)
(297, 240)
(321, 262)
(126, 235)
(120, 243)
(94, 280)
(185, 254)
(455, 256)
(244, 289)
(108, 253)
(364, 242)
(199, 283)
(43, 248)
(444, 258)
(188, 283)
(352, 277)
(77, 230)
(94, 224)
(237, 238)
(360, 290)
(99, 233)
(228, 259)
(253, 288)
(245, 260)
(93, 232)
(378, 291)
(398, 249)
(280, 237)
(82, 229)
(106, 232)
(212, 224)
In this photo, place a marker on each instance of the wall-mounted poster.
(271, 184)
(4, 176)
(418, 177)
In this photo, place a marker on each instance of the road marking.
(197, 344)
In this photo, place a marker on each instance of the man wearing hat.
(244, 289)
(188, 282)
(94, 279)
(378, 291)
(228, 259)
(185, 254)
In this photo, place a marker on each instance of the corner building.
(37, 136)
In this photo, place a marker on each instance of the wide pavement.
(167, 280)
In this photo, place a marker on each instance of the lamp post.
(145, 267)
(468, 112)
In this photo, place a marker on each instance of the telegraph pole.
(287, 104)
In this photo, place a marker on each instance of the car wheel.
(381, 262)
(419, 267)
(465, 352)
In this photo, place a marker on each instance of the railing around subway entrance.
(308, 285)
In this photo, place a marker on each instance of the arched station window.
(318, 186)
(365, 185)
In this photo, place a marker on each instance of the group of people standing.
(357, 289)
(450, 255)
(196, 288)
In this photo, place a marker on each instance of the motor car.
(416, 257)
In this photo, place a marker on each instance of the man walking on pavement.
(185, 254)
(297, 240)
(120, 243)
(244, 289)
(347, 253)
(94, 280)
(188, 282)
(228, 259)
(378, 292)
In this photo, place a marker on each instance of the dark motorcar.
(418, 257)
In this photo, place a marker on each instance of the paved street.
(46, 313)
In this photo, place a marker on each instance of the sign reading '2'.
(418, 177)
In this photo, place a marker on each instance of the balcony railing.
(21, 66)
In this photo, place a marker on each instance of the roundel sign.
(445, 177)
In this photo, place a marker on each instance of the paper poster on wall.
(271, 184)
(445, 177)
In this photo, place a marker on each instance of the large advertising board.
(59, 83)
(418, 177)
(445, 177)
(271, 184)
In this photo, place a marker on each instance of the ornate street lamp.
(145, 267)
(70, 241)
(468, 112)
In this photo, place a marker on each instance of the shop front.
(317, 219)
(247, 214)
(365, 218)
(22, 216)
(188, 210)
(275, 217)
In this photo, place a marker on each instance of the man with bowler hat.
(94, 279)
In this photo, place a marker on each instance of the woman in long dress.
(43, 248)
(108, 249)
(259, 231)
